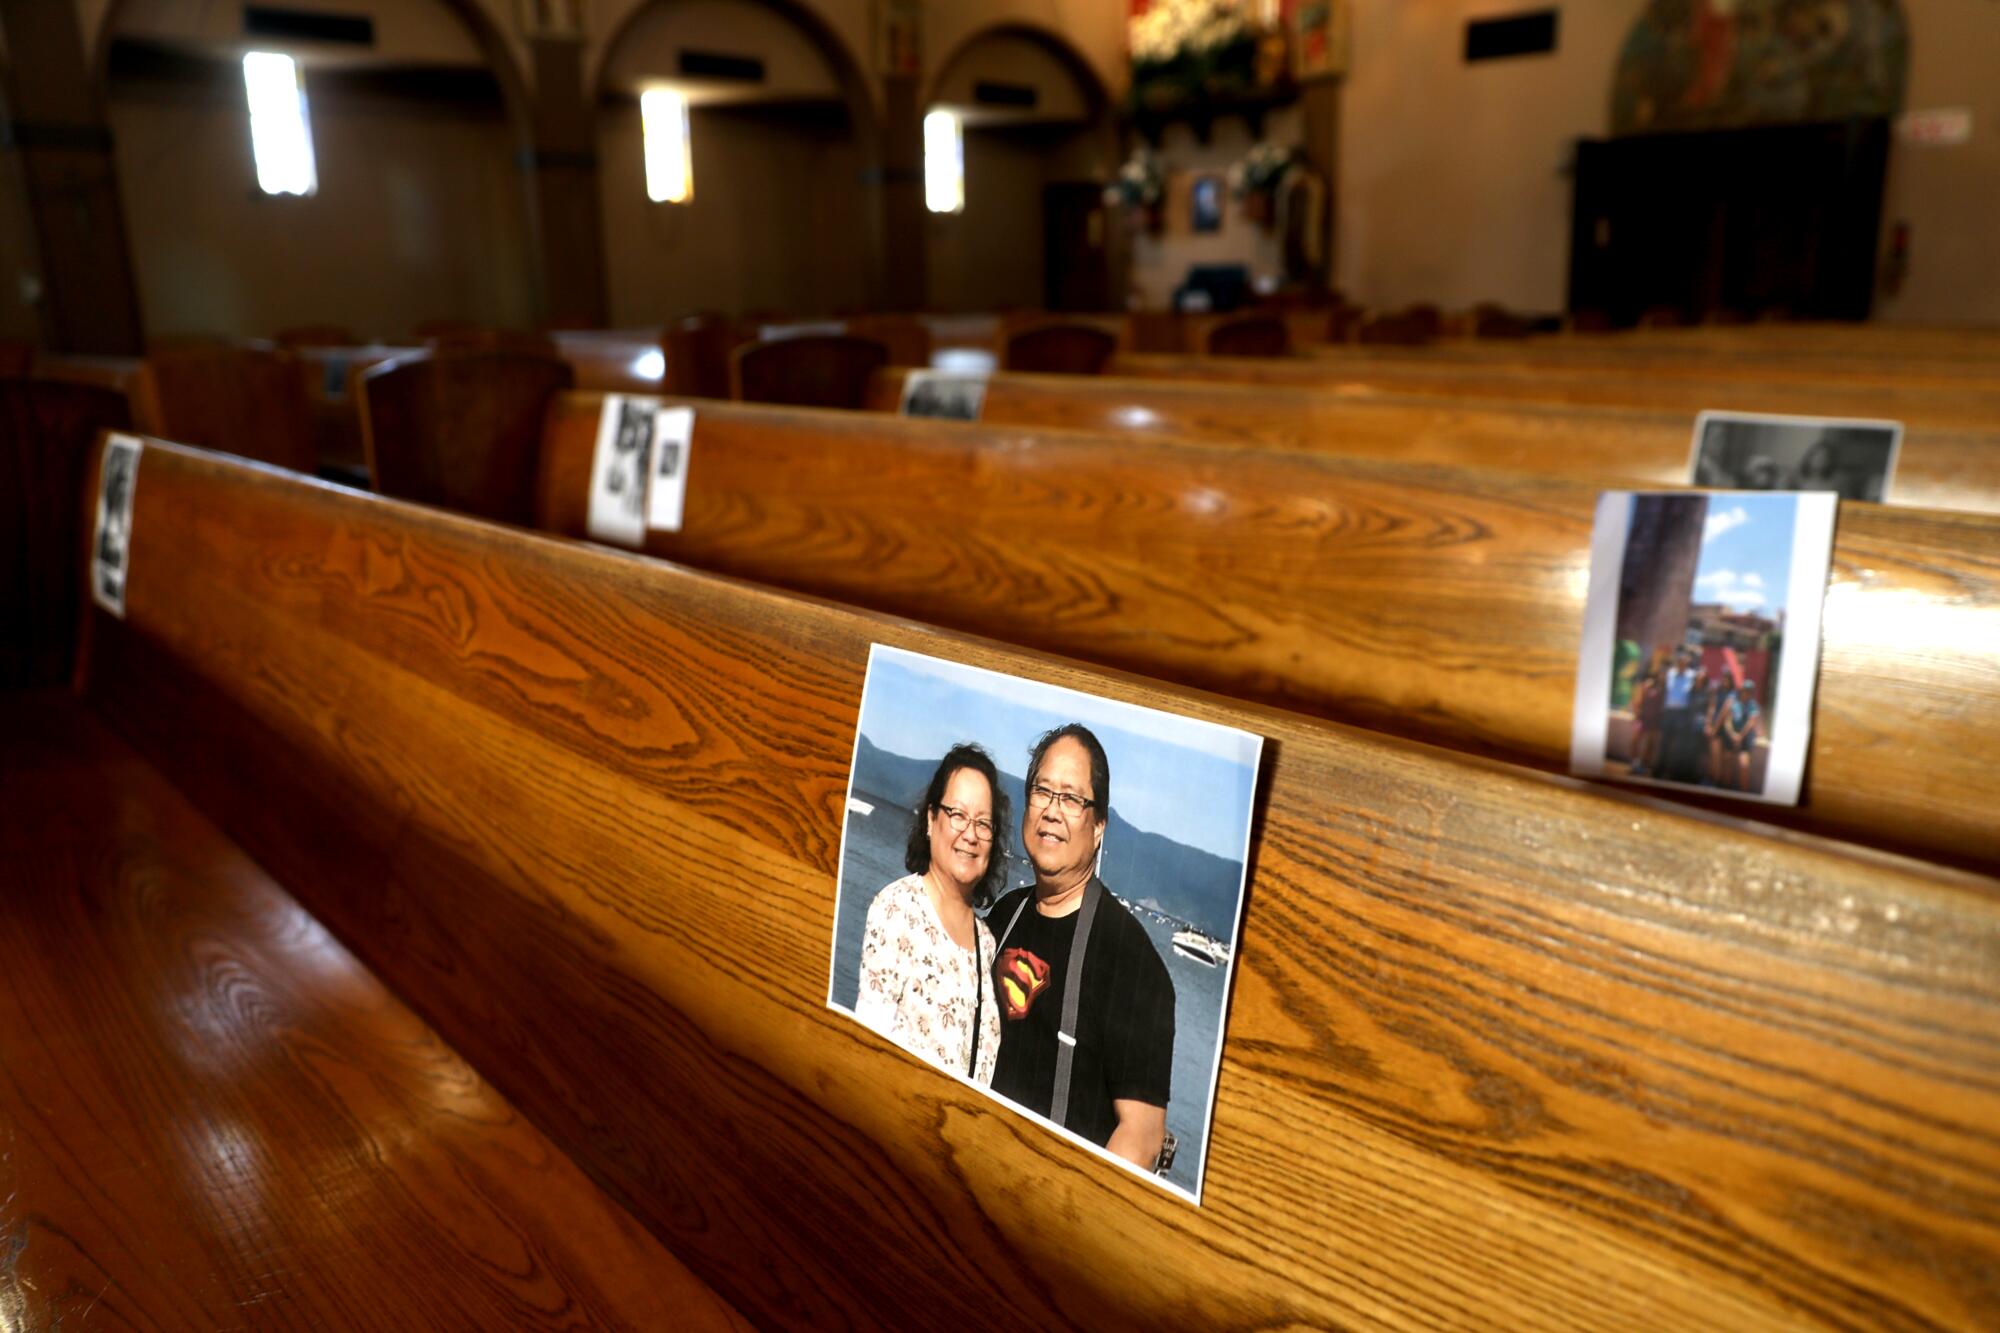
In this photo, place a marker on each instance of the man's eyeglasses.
(982, 828)
(1069, 803)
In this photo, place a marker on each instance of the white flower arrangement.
(1173, 28)
(1260, 170)
(1141, 182)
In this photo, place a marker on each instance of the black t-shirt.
(1124, 1026)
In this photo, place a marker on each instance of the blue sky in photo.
(1188, 780)
(1746, 552)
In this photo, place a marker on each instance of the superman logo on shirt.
(1021, 977)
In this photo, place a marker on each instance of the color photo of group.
(1040, 894)
(1701, 640)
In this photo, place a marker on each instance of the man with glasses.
(1086, 1005)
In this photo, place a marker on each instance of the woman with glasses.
(925, 953)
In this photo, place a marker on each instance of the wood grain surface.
(243, 400)
(1442, 604)
(1505, 1051)
(1956, 408)
(1874, 368)
(212, 1116)
(1937, 468)
(459, 428)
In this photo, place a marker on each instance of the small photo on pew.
(1701, 640)
(1040, 894)
(1754, 451)
(945, 395)
(638, 470)
(111, 538)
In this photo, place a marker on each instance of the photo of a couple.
(1023, 932)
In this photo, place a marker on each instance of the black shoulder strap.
(1026, 898)
(1073, 1000)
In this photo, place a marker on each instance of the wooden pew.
(328, 377)
(216, 1117)
(1729, 366)
(1949, 408)
(1059, 348)
(47, 434)
(1442, 604)
(1937, 468)
(1503, 1049)
(244, 400)
(459, 429)
(816, 370)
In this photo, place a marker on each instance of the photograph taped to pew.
(1016, 817)
(666, 493)
(111, 539)
(1754, 451)
(943, 394)
(1701, 640)
(631, 429)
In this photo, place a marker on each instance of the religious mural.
(1721, 64)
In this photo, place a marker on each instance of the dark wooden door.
(1077, 264)
(1775, 220)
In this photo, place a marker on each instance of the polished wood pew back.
(243, 400)
(1502, 1049)
(1444, 604)
(459, 429)
(815, 370)
(1937, 468)
(1954, 408)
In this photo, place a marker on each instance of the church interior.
(463, 463)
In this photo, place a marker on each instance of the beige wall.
(649, 53)
(1950, 195)
(1452, 185)
(1018, 59)
(846, 22)
(779, 220)
(420, 213)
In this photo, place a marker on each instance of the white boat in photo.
(1193, 944)
(856, 805)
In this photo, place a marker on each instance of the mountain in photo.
(1184, 882)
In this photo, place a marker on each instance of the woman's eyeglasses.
(982, 827)
(1069, 803)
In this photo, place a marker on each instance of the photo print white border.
(114, 445)
(1798, 668)
(1894, 428)
(658, 470)
(1090, 709)
(913, 381)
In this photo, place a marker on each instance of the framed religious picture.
(1205, 204)
(1319, 39)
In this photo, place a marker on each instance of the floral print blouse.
(918, 988)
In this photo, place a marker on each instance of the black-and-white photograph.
(111, 546)
(618, 470)
(666, 493)
(1000, 828)
(1750, 451)
(945, 395)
